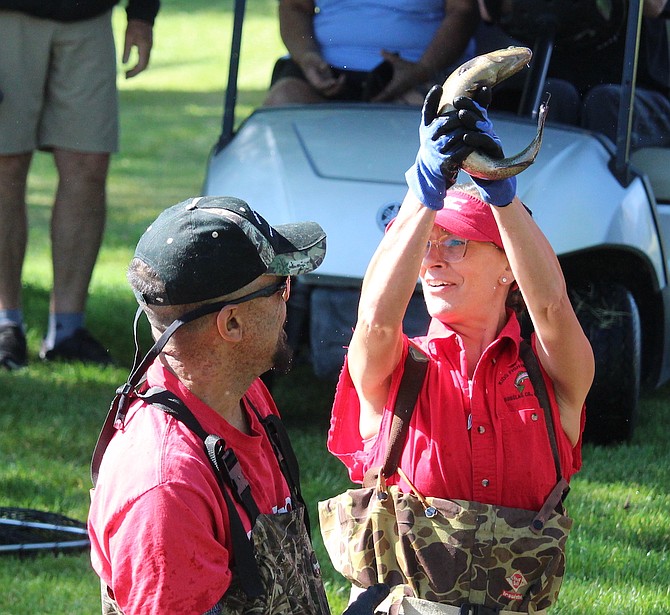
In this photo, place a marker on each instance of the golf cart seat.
(655, 162)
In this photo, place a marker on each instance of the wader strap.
(411, 382)
(283, 450)
(228, 472)
(127, 392)
(558, 494)
(532, 364)
(223, 460)
(416, 365)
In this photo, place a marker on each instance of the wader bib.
(275, 572)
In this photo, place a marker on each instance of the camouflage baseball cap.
(206, 247)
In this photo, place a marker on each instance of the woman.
(476, 433)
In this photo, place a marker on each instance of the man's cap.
(207, 247)
(468, 217)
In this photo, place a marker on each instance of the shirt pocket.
(528, 460)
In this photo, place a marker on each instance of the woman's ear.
(507, 277)
(228, 324)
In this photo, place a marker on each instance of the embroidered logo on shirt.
(516, 581)
(520, 381)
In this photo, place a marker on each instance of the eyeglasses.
(450, 248)
(283, 287)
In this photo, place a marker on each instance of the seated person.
(584, 81)
(361, 50)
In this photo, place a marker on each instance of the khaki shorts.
(59, 84)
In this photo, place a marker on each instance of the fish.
(488, 70)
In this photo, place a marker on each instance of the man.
(584, 79)
(58, 79)
(169, 530)
(364, 50)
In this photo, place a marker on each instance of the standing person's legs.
(80, 126)
(13, 227)
(77, 226)
(24, 49)
(13, 240)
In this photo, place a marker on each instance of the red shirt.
(484, 440)
(158, 522)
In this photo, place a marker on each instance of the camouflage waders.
(464, 553)
(454, 552)
(288, 567)
(276, 571)
(289, 571)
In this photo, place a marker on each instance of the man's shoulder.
(151, 451)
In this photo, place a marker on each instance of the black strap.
(228, 473)
(411, 382)
(413, 376)
(104, 438)
(532, 364)
(223, 460)
(288, 462)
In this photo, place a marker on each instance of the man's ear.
(228, 325)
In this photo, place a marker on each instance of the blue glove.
(481, 137)
(441, 151)
(368, 601)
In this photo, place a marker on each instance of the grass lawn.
(619, 551)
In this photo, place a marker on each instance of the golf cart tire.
(610, 318)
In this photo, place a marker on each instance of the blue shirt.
(352, 33)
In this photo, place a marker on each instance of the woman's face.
(469, 286)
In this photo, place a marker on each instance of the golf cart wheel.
(610, 318)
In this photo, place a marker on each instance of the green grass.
(619, 550)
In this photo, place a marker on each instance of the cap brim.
(300, 248)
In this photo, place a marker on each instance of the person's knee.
(564, 102)
(14, 168)
(602, 97)
(291, 90)
(82, 167)
(600, 109)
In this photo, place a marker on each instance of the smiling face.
(469, 289)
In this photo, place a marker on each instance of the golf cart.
(607, 218)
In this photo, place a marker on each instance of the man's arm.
(139, 33)
(296, 25)
(451, 39)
